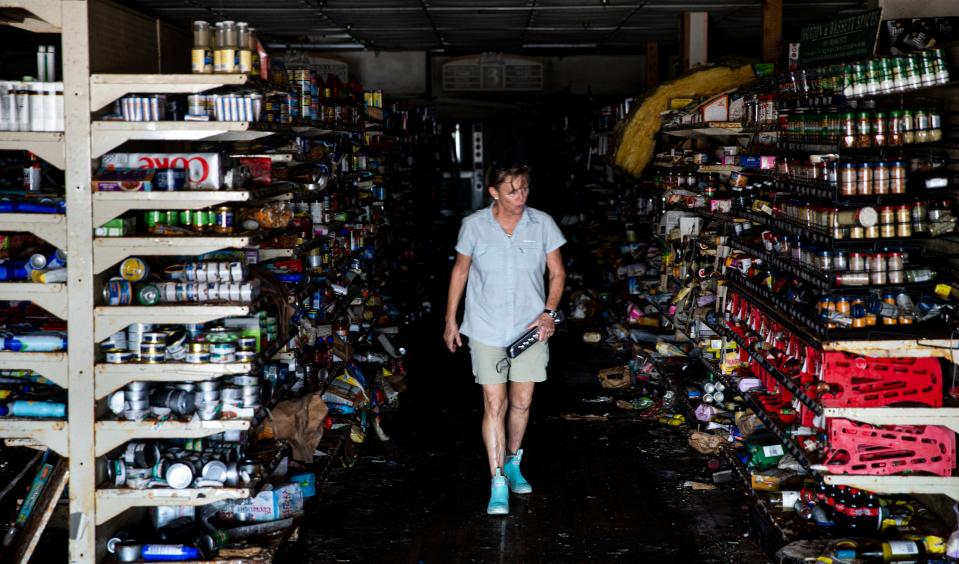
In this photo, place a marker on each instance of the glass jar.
(223, 220)
(904, 229)
(840, 261)
(863, 131)
(912, 74)
(823, 261)
(885, 76)
(848, 130)
(890, 310)
(229, 34)
(923, 126)
(935, 126)
(887, 215)
(942, 71)
(847, 179)
(873, 74)
(852, 279)
(927, 68)
(857, 261)
(879, 129)
(903, 213)
(887, 230)
(864, 179)
(918, 212)
(899, 83)
(877, 277)
(880, 178)
(908, 127)
(201, 35)
(894, 136)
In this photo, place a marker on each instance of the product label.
(898, 548)
(772, 451)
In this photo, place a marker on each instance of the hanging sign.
(492, 72)
(846, 39)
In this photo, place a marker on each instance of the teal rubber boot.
(517, 483)
(499, 495)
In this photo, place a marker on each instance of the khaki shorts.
(527, 367)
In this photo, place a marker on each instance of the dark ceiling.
(530, 26)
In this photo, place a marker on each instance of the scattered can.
(134, 269)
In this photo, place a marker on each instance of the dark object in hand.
(529, 338)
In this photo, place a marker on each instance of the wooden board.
(46, 503)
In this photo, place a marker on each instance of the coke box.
(206, 169)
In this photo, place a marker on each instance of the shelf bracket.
(51, 297)
(52, 366)
(48, 145)
(52, 228)
(52, 434)
(48, 16)
(112, 502)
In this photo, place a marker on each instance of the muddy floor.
(604, 491)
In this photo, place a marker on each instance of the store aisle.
(604, 491)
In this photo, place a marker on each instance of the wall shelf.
(51, 433)
(108, 135)
(110, 319)
(114, 501)
(105, 88)
(51, 227)
(112, 434)
(108, 251)
(108, 205)
(112, 377)
(47, 15)
(948, 486)
(51, 297)
(50, 365)
(48, 145)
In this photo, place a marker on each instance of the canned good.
(170, 179)
(118, 292)
(226, 358)
(119, 357)
(148, 295)
(152, 218)
(223, 220)
(246, 343)
(202, 222)
(154, 338)
(245, 356)
(134, 269)
(222, 348)
(201, 357)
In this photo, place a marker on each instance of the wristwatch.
(551, 312)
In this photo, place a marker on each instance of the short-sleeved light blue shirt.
(505, 290)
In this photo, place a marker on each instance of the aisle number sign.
(492, 73)
(845, 39)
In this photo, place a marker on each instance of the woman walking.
(503, 252)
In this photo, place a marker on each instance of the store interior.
(228, 231)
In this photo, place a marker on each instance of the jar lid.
(881, 164)
(898, 163)
(848, 165)
(865, 165)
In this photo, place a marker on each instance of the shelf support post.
(772, 24)
(76, 80)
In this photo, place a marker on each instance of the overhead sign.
(846, 39)
(491, 72)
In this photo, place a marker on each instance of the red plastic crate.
(857, 381)
(857, 448)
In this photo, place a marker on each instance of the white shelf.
(270, 254)
(51, 297)
(108, 135)
(105, 88)
(48, 145)
(111, 434)
(51, 227)
(47, 16)
(108, 251)
(108, 205)
(948, 486)
(939, 416)
(52, 433)
(107, 320)
(50, 365)
(114, 501)
(112, 377)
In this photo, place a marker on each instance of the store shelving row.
(820, 236)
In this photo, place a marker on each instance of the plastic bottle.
(888, 551)
(164, 552)
(21, 408)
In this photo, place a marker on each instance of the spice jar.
(879, 129)
(865, 216)
(887, 230)
(852, 279)
(904, 229)
(890, 310)
(864, 179)
(935, 126)
(848, 130)
(863, 131)
(897, 177)
(847, 179)
(904, 213)
(857, 261)
(908, 127)
(856, 232)
(880, 178)
(918, 211)
(823, 261)
(840, 261)
(887, 215)
(894, 137)
(922, 126)
(873, 232)
(842, 305)
(894, 260)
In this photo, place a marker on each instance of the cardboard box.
(737, 107)
(117, 228)
(124, 180)
(206, 169)
(716, 109)
(270, 505)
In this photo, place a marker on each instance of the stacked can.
(245, 391)
(135, 333)
(153, 347)
(208, 400)
(136, 401)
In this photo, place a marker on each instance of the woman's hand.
(451, 335)
(546, 325)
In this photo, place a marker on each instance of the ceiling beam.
(621, 24)
(439, 36)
